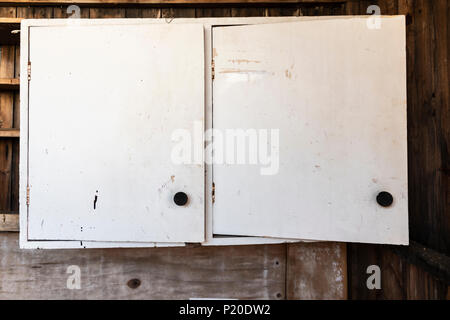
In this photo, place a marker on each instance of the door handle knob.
(385, 199)
(180, 198)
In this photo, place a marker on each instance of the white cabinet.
(317, 106)
(330, 95)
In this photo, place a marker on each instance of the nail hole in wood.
(134, 283)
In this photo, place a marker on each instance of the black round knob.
(385, 199)
(180, 198)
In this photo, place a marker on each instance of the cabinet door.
(104, 102)
(333, 94)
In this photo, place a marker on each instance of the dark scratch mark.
(95, 199)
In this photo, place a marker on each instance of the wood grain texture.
(7, 26)
(9, 84)
(61, 12)
(96, 13)
(244, 272)
(316, 271)
(169, 13)
(9, 222)
(248, 12)
(9, 133)
(429, 124)
(6, 118)
(361, 256)
(213, 12)
(399, 279)
(428, 259)
(161, 2)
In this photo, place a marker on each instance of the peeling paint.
(288, 74)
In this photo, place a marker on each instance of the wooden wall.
(293, 271)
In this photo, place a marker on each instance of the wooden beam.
(316, 270)
(9, 222)
(9, 84)
(435, 263)
(9, 133)
(162, 2)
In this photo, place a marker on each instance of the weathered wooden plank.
(7, 16)
(358, 7)
(428, 259)
(96, 13)
(34, 12)
(15, 169)
(399, 278)
(9, 133)
(388, 7)
(361, 256)
(143, 13)
(6, 116)
(213, 12)
(248, 12)
(9, 222)
(244, 272)
(165, 2)
(7, 26)
(288, 10)
(177, 13)
(151, 12)
(429, 126)
(316, 271)
(61, 12)
(422, 285)
(16, 124)
(9, 84)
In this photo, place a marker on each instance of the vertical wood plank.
(392, 268)
(143, 12)
(151, 12)
(35, 12)
(290, 10)
(421, 285)
(61, 12)
(177, 12)
(213, 12)
(15, 143)
(316, 271)
(428, 126)
(248, 12)
(97, 13)
(133, 13)
(7, 56)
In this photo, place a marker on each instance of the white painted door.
(104, 101)
(334, 91)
